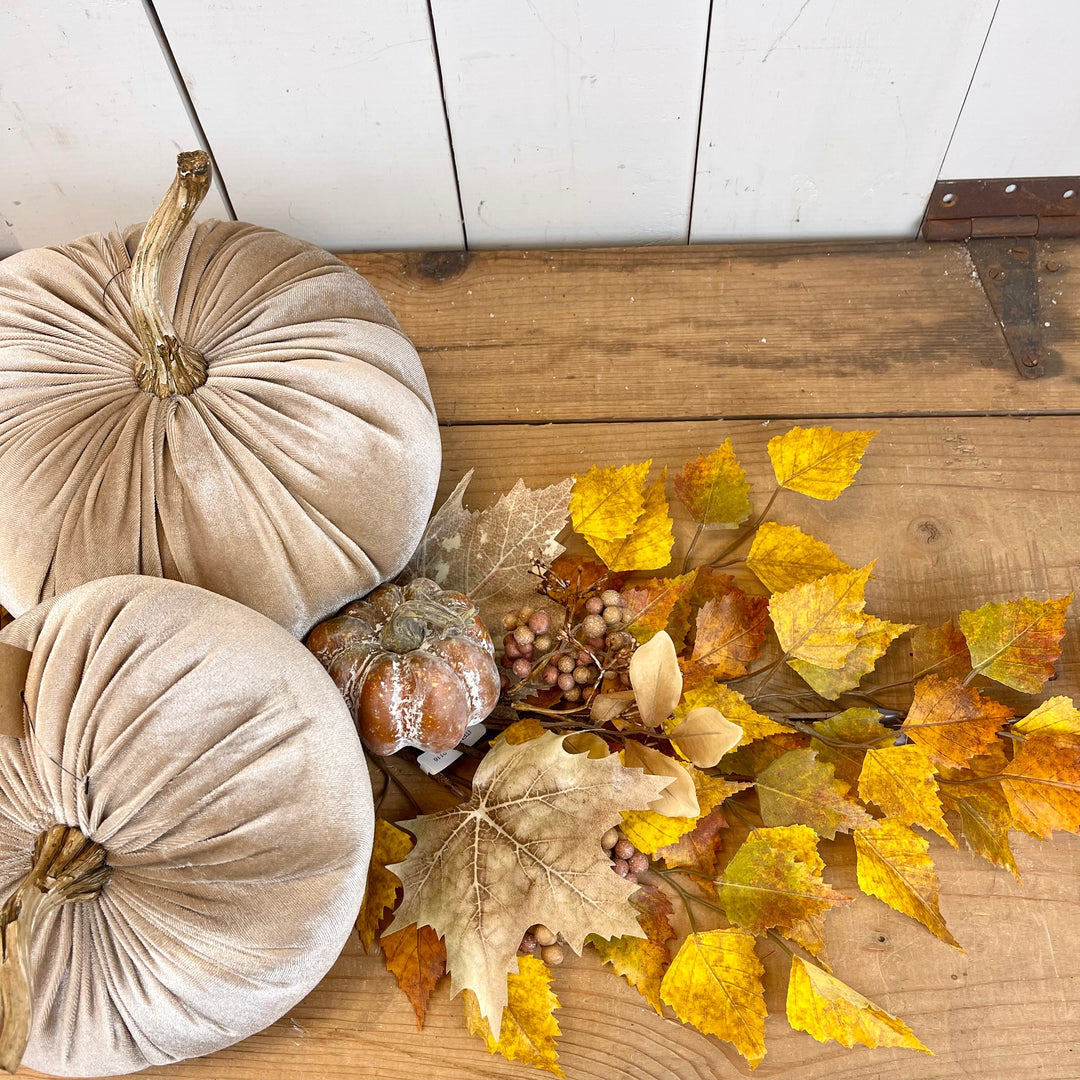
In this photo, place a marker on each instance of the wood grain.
(663, 333)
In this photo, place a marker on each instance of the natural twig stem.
(167, 365)
(67, 868)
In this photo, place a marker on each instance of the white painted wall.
(495, 123)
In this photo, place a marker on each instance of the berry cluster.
(626, 860)
(539, 937)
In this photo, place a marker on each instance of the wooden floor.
(543, 363)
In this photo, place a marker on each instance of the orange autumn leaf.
(699, 851)
(1042, 785)
(731, 705)
(820, 622)
(1016, 643)
(730, 633)
(528, 1029)
(783, 556)
(714, 983)
(799, 789)
(571, 578)
(714, 489)
(390, 846)
(819, 461)
(416, 956)
(711, 584)
(649, 544)
(821, 1005)
(874, 637)
(893, 864)
(942, 650)
(901, 782)
(652, 606)
(986, 819)
(953, 723)
(642, 961)
(845, 738)
(774, 879)
(606, 503)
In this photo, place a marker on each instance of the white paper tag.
(435, 763)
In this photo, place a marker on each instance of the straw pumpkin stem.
(167, 365)
(67, 868)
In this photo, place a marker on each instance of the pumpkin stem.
(67, 867)
(167, 365)
(413, 621)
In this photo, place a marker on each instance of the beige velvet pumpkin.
(211, 757)
(298, 475)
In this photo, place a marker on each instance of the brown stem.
(67, 868)
(167, 366)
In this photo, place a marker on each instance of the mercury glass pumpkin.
(219, 404)
(192, 782)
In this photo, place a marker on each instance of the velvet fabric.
(212, 757)
(298, 477)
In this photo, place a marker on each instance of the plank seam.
(189, 104)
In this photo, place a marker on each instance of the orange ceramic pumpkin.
(415, 664)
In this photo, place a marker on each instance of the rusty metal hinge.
(1043, 206)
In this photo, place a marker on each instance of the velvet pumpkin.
(219, 404)
(214, 808)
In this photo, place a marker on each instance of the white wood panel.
(830, 118)
(573, 123)
(1022, 114)
(90, 121)
(326, 117)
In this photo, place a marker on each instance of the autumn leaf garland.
(679, 739)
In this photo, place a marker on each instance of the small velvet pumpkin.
(222, 405)
(191, 768)
(415, 664)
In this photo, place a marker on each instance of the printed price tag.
(435, 763)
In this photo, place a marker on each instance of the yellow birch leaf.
(774, 879)
(856, 730)
(818, 461)
(821, 1005)
(798, 789)
(953, 723)
(390, 846)
(820, 622)
(809, 934)
(986, 819)
(649, 831)
(648, 547)
(606, 503)
(783, 556)
(1016, 643)
(714, 488)
(1056, 716)
(523, 731)
(874, 637)
(528, 1029)
(1042, 784)
(714, 983)
(704, 736)
(901, 781)
(699, 851)
(732, 706)
(894, 865)
(752, 759)
(655, 605)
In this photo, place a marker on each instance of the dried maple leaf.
(783, 556)
(648, 547)
(1016, 643)
(986, 820)
(528, 1028)
(490, 553)
(714, 983)
(893, 864)
(798, 789)
(390, 845)
(730, 633)
(820, 622)
(416, 957)
(525, 849)
(642, 961)
(846, 736)
(940, 649)
(901, 781)
(774, 879)
(731, 705)
(652, 606)
(714, 489)
(1042, 784)
(818, 461)
(953, 723)
(823, 1006)
(874, 637)
(606, 503)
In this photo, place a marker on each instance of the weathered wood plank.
(661, 333)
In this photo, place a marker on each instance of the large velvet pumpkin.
(212, 764)
(222, 404)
